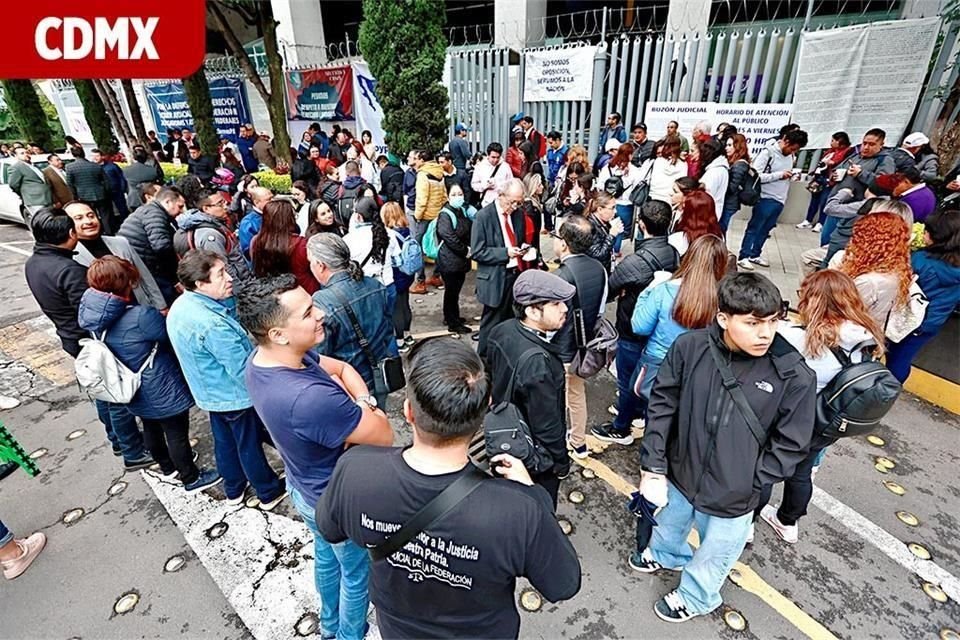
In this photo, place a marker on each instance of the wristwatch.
(368, 400)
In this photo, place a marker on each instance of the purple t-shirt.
(309, 417)
(922, 202)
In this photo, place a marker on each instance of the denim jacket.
(368, 300)
(212, 348)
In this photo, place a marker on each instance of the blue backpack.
(411, 256)
(431, 241)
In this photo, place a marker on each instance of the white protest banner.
(757, 122)
(366, 105)
(859, 77)
(558, 74)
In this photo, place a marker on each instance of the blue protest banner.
(168, 105)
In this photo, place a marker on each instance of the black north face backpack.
(853, 403)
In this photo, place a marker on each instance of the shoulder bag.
(388, 372)
(596, 350)
(440, 506)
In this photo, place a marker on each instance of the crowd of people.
(285, 317)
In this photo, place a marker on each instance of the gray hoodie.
(770, 163)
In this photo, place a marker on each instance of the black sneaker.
(206, 479)
(461, 329)
(139, 463)
(606, 433)
(672, 608)
(116, 451)
(644, 562)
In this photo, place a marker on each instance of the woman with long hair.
(714, 172)
(681, 302)
(576, 156)
(698, 218)
(620, 166)
(534, 188)
(878, 260)
(937, 266)
(516, 159)
(366, 143)
(372, 246)
(579, 196)
(301, 193)
(320, 219)
(682, 187)
(832, 316)
(667, 167)
(395, 221)
(606, 226)
(279, 247)
(570, 175)
(822, 182)
(229, 160)
(136, 335)
(242, 203)
(453, 258)
(738, 159)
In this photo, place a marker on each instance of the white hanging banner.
(863, 76)
(757, 122)
(558, 74)
(366, 105)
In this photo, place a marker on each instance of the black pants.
(452, 285)
(168, 441)
(402, 316)
(549, 481)
(492, 316)
(797, 489)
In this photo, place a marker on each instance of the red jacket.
(516, 161)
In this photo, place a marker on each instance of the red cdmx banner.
(102, 38)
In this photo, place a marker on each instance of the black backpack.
(749, 193)
(614, 185)
(346, 201)
(853, 403)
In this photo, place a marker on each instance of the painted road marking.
(8, 246)
(750, 580)
(263, 563)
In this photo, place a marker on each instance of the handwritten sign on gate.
(558, 74)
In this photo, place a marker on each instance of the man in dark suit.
(57, 179)
(28, 182)
(89, 183)
(495, 243)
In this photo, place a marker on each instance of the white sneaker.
(745, 265)
(760, 262)
(612, 410)
(817, 227)
(803, 225)
(750, 534)
(813, 472)
(788, 533)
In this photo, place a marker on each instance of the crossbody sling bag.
(733, 388)
(387, 373)
(440, 506)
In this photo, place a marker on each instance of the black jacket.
(641, 152)
(540, 388)
(458, 177)
(88, 180)
(391, 183)
(304, 169)
(452, 256)
(738, 173)
(57, 282)
(634, 274)
(140, 173)
(150, 231)
(698, 437)
(590, 279)
(202, 167)
(490, 253)
(602, 246)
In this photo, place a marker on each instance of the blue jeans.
(815, 208)
(122, 430)
(721, 542)
(5, 534)
(628, 404)
(762, 222)
(341, 572)
(625, 213)
(829, 224)
(238, 438)
(900, 355)
(727, 216)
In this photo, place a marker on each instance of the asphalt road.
(850, 576)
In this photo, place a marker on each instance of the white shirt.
(485, 171)
(663, 176)
(360, 242)
(502, 219)
(715, 179)
(630, 176)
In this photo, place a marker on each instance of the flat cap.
(535, 286)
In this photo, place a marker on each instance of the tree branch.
(236, 48)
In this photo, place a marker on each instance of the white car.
(11, 208)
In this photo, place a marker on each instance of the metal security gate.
(479, 89)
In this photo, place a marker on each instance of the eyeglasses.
(218, 203)
(554, 234)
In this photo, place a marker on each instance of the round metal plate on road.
(949, 634)
(39, 453)
(78, 433)
(908, 518)
(735, 576)
(735, 620)
(174, 563)
(885, 462)
(934, 591)
(117, 488)
(589, 474)
(876, 441)
(919, 550)
(565, 526)
(576, 497)
(530, 600)
(882, 469)
(307, 625)
(73, 515)
(894, 488)
(126, 603)
(217, 530)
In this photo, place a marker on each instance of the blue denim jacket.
(212, 348)
(369, 302)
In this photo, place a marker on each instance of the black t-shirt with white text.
(458, 577)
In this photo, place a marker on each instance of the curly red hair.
(880, 243)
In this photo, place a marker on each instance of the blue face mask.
(456, 202)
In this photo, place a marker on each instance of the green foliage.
(275, 182)
(404, 44)
(201, 108)
(53, 122)
(95, 113)
(24, 105)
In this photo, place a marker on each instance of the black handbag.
(387, 373)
